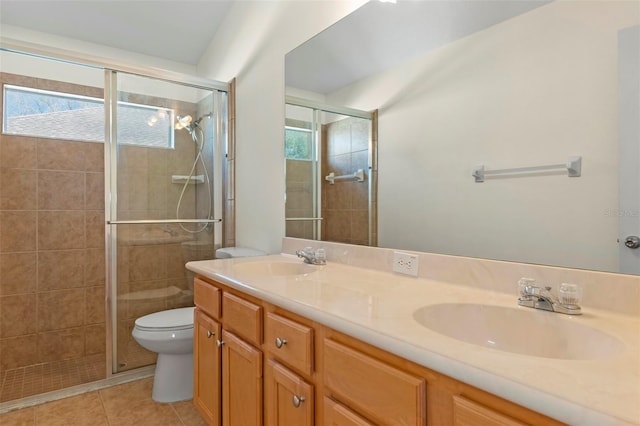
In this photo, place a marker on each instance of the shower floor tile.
(40, 378)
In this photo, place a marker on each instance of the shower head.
(187, 122)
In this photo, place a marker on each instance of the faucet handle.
(525, 286)
(570, 294)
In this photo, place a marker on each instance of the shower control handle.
(297, 400)
(219, 343)
(280, 342)
(210, 334)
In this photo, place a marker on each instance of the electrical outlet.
(405, 263)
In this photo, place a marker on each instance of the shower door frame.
(372, 181)
(111, 183)
(225, 148)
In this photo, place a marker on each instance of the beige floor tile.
(143, 413)
(188, 413)
(81, 410)
(128, 404)
(122, 397)
(24, 417)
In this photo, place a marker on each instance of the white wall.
(530, 91)
(251, 45)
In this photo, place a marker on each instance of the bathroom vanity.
(279, 342)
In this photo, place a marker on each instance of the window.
(298, 143)
(43, 113)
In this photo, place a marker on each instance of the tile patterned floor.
(129, 404)
(36, 379)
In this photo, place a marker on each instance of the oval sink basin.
(518, 330)
(273, 268)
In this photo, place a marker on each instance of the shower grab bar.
(358, 175)
(161, 221)
(302, 218)
(573, 167)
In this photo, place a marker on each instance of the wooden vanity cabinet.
(289, 399)
(227, 357)
(206, 366)
(241, 382)
(383, 393)
(470, 413)
(314, 375)
(336, 414)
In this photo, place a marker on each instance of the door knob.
(210, 333)
(280, 342)
(219, 343)
(632, 242)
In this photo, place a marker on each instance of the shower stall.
(111, 180)
(331, 172)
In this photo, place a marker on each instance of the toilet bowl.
(170, 334)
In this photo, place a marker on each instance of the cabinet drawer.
(337, 414)
(379, 391)
(207, 297)
(290, 342)
(470, 413)
(242, 317)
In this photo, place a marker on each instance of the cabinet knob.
(280, 342)
(219, 343)
(210, 333)
(297, 400)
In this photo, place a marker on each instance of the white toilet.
(229, 252)
(170, 334)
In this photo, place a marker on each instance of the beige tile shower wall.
(52, 271)
(345, 205)
(299, 181)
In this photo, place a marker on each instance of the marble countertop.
(377, 307)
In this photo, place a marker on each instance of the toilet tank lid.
(227, 252)
(172, 318)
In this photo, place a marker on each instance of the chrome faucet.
(313, 257)
(536, 297)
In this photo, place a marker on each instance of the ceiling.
(177, 30)
(373, 38)
(380, 35)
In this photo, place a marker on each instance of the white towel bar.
(573, 167)
(358, 175)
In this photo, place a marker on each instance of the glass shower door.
(165, 140)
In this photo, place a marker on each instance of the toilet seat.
(172, 319)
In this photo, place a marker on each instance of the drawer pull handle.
(280, 342)
(297, 400)
(219, 343)
(210, 333)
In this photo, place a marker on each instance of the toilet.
(170, 334)
(229, 252)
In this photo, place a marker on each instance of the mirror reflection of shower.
(197, 134)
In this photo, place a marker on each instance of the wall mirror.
(521, 88)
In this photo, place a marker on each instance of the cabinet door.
(241, 382)
(288, 398)
(336, 414)
(206, 367)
